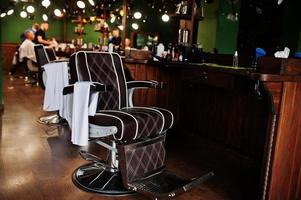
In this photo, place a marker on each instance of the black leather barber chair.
(136, 134)
(42, 59)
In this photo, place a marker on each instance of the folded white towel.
(57, 79)
(77, 109)
(283, 54)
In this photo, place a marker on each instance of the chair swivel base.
(93, 177)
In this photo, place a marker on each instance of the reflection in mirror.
(141, 39)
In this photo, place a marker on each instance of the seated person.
(26, 50)
(35, 27)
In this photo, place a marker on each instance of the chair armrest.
(60, 60)
(144, 84)
(97, 87)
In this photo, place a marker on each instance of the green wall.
(215, 31)
(208, 27)
(13, 25)
(227, 31)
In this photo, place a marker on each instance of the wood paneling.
(8, 51)
(251, 118)
(287, 163)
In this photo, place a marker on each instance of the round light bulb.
(92, 18)
(45, 17)
(120, 27)
(137, 15)
(30, 9)
(3, 15)
(121, 13)
(10, 12)
(81, 4)
(23, 14)
(113, 18)
(165, 18)
(57, 12)
(92, 3)
(135, 26)
(46, 3)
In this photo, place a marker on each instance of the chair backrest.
(105, 68)
(51, 53)
(41, 55)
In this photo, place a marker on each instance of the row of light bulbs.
(80, 4)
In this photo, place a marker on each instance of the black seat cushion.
(134, 123)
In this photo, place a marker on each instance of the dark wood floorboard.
(36, 161)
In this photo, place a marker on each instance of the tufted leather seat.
(134, 122)
(113, 110)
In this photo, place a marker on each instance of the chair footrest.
(166, 184)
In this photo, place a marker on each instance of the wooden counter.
(248, 118)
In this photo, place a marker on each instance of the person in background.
(35, 27)
(127, 43)
(26, 50)
(116, 39)
(40, 36)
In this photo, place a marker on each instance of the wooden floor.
(37, 161)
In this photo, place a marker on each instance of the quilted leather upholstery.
(104, 68)
(132, 123)
(144, 159)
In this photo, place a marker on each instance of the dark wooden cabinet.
(243, 120)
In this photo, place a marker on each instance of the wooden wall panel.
(8, 50)
(287, 163)
(258, 120)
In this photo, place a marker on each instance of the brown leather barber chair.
(136, 134)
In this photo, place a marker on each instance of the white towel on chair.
(57, 79)
(84, 105)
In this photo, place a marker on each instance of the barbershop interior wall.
(1, 94)
(13, 26)
(215, 30)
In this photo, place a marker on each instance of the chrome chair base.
(94, 177)
(50, 119)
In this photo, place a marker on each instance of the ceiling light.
(23, 14)
(57, 12)
(120, 27)
(92, 18)
(10, 12)
(45, 17)
(3, 15)
(81, 4)
(165, 18)
(137, 15)
(113, 18)
(121, 13)
(92, 2)
(30, 9)
(135, 26)
(279, 2)
(46, 3)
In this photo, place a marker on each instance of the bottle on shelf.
(235, 59)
